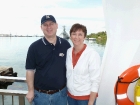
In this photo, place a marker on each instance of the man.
(45, 66)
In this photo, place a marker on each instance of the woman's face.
(77, 37)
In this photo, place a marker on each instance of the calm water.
(13, 52)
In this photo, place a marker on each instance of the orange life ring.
(120, 89)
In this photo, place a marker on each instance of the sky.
(23, 17)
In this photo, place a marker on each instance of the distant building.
(5, 35)
(91, 38)
(64, 34)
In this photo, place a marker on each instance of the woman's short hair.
(78, 26)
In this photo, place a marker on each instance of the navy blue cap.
(47, 18)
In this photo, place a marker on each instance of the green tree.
(100, 37)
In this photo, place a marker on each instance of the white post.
(122, 19)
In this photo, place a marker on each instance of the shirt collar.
(58, 40)
(81, 51)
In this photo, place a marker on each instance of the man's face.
(49, 28)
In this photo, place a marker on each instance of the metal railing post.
(12, 100)
(21, 100)
(2, 99)
(20, 93)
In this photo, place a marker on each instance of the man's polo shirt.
(49, 63)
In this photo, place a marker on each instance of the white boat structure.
(122, 20)
(64, 34)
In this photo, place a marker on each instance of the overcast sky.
(22, 17)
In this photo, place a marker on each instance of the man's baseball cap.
(47, 18)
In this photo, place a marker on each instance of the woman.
(83, 69)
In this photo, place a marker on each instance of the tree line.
(100, 37)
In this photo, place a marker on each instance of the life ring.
(122, 84)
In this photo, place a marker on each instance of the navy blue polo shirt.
(49, 63)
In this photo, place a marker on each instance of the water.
(13, 52)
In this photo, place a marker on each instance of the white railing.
(20, 93)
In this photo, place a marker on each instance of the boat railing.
(20, 93)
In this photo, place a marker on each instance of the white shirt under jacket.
(85, 76)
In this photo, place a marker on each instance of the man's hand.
(30, 96)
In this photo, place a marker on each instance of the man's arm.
(30, 83)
